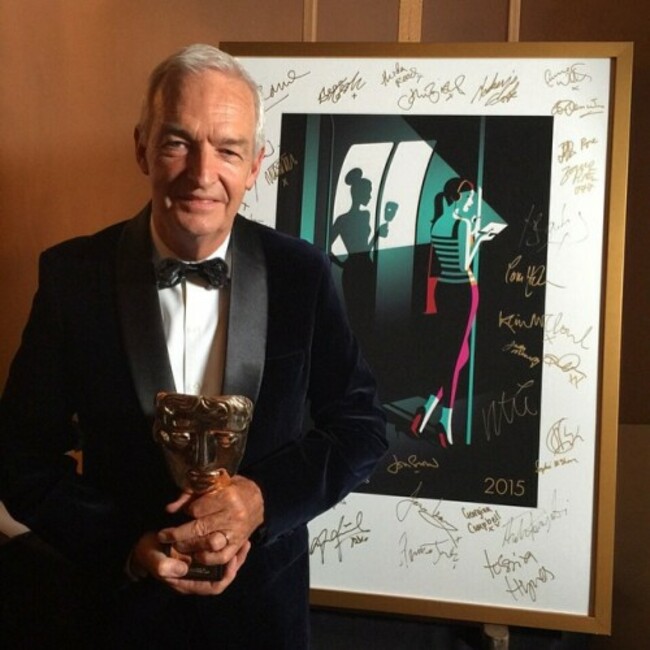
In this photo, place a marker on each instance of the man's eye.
(174, 146)
(229, 154)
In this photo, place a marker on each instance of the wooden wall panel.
(625, 20)
(361, 20)
(446, 21)
(72, 76)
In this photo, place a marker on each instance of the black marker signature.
(521, 588)
(341, 88)
(347, 533)
(529, 525)
(433, 552)
(433, 517)
(281, 88)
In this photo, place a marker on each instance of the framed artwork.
(471, 199)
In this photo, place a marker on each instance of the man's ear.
(140, 151)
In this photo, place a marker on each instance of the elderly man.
(107, 333)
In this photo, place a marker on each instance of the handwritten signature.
(529, 525)
(433, 93)
(560, 439)
(561, 229)
(505, 564)
(433, 517)
(519, 350)
(434, 552)
(400, 75)
(527, 588)
(411, 463)
(283, 165)
(497, 89)
(514, 321)
(507, 409)
(446, 547)
(341, 88)
(555, 327)
(533, 276)
(541, 467)
(281, 87)
(572, 75)
(515, 570)
(482, 519)
(582, 177)
(533, 234)
(568, 148)
(347, 534)
(564, 228)
(568, 364)
(569, 108)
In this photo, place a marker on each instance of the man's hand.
(221, 521)
(149, 557)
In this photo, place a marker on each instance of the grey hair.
(195, 59)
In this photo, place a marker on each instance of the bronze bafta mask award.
(203, 440)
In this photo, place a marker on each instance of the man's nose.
(202, 166)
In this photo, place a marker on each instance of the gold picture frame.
(556, 571)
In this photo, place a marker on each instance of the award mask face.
(203, 438)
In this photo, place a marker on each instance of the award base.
(204, 572)
(197, 571)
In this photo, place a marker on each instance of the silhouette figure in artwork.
(456, 235)
(358, 266)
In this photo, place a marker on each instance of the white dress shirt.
(195, 320)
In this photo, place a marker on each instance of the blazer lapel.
(139, 313)
(247, 321)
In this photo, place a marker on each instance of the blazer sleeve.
(38, 479)
(346, 432)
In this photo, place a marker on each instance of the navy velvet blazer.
(93, 357)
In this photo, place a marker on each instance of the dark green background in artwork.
(497, 413)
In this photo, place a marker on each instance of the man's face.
(200, 157)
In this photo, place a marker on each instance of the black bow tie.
(170, 272)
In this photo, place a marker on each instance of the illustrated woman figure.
(455, 238)
(358, 276)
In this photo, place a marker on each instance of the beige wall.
(72, 74)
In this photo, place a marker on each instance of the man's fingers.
(207, 588)
(177, 505)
